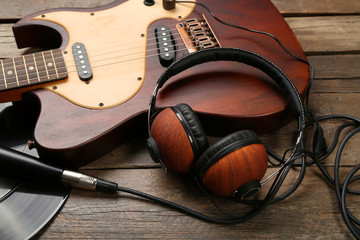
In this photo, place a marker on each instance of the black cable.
(338, 116)
(336, 174)
(192, 212)
(336, 138)
(297, 183)
(207, 194)
(260, 205)
(348, 217)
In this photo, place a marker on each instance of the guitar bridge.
(197, 34)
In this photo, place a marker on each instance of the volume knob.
(169, 4)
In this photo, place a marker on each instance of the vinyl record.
(25, 207)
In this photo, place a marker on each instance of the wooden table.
(329, 32)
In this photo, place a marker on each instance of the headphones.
(234, 165)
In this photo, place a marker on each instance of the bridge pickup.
(166, 45)
(82, 62)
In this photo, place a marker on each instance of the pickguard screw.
(54, 87)
(139, 78)
(101, 104)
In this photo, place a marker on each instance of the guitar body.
(79, 121)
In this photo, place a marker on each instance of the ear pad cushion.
(194, 128)
(232, 162)
(173, 142)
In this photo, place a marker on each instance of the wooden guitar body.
(227, 96)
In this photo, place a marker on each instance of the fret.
(26, 71)
(41, 67)
(60, 64)
(15, 72)
(20, 72)
(9, 73)
(45, 65)
(50, 65)
(36, 68)
(3, 76)
(54, 62)
(32, 69)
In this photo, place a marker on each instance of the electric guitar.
(92, 87)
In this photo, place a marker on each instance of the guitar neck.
(32, 69)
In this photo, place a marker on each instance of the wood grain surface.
(329, 32)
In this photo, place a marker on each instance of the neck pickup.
(32, 69)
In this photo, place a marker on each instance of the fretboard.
(32, 69)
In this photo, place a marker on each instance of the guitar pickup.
(165, 45)
(82, 62)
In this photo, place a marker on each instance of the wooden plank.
(336, 85)
(336, 66)
(8, 46)
(301, 7)
(311, 212)
(327, 34)
(336, 73)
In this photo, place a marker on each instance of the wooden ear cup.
(233, 165)
(178, 137)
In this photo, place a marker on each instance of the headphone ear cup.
(193, 127)
(232, 162)
(173, 131)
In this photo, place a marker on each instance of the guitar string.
(6, 65)
(10, 64)
(148, 49)
(70, 71)
(113, 57)
(122, 48)
(22, 72)
(108, 64)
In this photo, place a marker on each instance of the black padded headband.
(235, 55)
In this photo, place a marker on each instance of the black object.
(20, 164)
